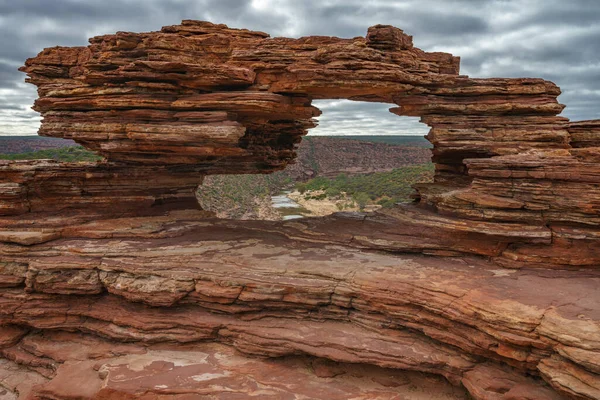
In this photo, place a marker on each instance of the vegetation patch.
(66, 154)
(382, 188)
(241, 196)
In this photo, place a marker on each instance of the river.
(286, 206)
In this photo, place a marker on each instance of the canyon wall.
(490, 279)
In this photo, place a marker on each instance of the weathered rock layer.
(110, 252)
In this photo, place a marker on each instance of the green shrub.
(362, 199)
(385, 187)
(386, 203)
(301, 187)
(332, 192)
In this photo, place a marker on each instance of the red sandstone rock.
(275, 296)
(141, 97)
(585, 133)
(211, 371)
(118, 250)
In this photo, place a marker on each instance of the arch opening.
(342, 117)
(358, 157)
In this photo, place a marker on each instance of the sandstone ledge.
(269, 295)
(83, 366)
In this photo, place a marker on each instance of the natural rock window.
(490, 280)
(360, 157)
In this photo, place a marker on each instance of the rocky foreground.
(287, 289)
(115, 285)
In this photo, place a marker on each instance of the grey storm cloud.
(552, 39)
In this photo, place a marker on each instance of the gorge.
(115, 284)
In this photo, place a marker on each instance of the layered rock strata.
(98, 369)
(117, 252)
(253, 288)
(204, 93)
(47, 186)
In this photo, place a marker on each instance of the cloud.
(345, 117)
(9, 76)
(552, 39)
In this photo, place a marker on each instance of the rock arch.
(515, 186)
(199, 98)
(236, 101)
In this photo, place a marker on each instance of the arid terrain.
(331, 156)
(28, 144)
(249, 196)
(115, 283)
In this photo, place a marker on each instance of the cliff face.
(116, 250)
(331, 156)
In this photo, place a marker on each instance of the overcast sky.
(557, 40)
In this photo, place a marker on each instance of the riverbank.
(318, 204)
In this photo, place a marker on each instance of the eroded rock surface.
(112, 281)
(273, 289)
(82, 366)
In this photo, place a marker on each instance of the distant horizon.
(3, 135)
